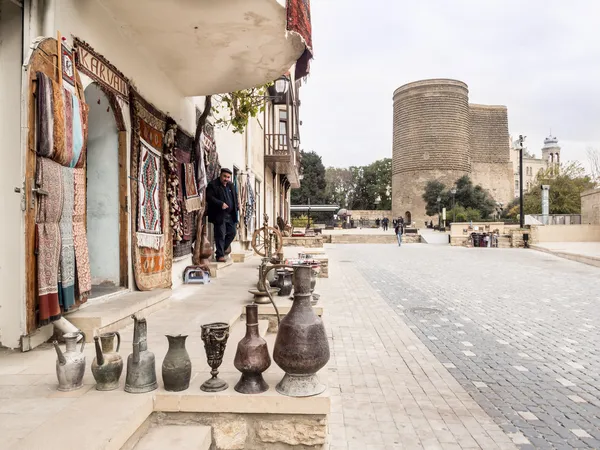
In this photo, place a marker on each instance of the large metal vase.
(107, 366)
(177, 366)
(252, 356)
(301, 347)
(141, 364)
(70, 365)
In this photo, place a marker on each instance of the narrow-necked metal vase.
(177, 366)
(214, 336)
(70, 365)
(252, 356)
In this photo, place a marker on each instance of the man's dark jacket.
(215, 197)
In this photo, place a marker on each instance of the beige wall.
(565, 233)
(370, 214)
(12, 309)
(590, 207)
(497, 178)
(458, 229)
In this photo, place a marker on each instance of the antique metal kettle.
(141, 367)
(107, 366)
(70, 365)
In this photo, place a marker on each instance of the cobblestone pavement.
(518, 329)
(388, 391)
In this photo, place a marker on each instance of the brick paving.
(388, 390)
(517, 329)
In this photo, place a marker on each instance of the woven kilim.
(151, 267)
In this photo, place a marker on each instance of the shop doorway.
(104, 198)
(408, 218)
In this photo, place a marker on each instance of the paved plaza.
(518, 329)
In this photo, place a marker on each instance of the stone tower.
(431, 142)
(439, 136)
(551, 151)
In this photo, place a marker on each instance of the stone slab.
(182, 437)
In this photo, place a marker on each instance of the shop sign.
(99, 69)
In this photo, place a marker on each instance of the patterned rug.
(49, 177)
(298, 21)
(183, 155)
(82, 258)
(149, 232)
(67, 253)
(151, 267)
(211, 157)
(193, 201)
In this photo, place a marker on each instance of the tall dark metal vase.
(301, 347)
(177, 366)
(252, 356)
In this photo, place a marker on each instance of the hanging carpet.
(49, 178)
(66, 289)
(183, 155)
(151, 266)
(80, 243)
(298, 21)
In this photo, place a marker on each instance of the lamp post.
(453, 192)
(520, 149)
(279, 89)
(439, 203)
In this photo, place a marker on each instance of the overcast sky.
(540, 58)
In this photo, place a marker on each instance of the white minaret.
(551, 151)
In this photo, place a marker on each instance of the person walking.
(398, 230)
(222, 211)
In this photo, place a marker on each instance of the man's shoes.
(221, 259)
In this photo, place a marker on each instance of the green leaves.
(236, 108)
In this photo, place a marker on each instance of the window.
(516, 185)
(283, 127)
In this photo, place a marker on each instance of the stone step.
(114, 313)
(179, 437)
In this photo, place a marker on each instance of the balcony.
(210, 46)
(282, 158)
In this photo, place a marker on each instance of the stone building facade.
(590, 207)
(532, 165)
(438, 135)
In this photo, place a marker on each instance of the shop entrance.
(104, 206)
(408, 218)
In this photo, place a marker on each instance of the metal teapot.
(107, 366)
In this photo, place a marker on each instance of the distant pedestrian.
(385, 223)
(377, 222)
(398, 230)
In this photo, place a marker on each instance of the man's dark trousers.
(224, 235)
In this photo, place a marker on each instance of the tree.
(313, 183)
(471, 198)
(593, 155)
(370, 183)
(339, 186)
(566, 182)
(433, 190)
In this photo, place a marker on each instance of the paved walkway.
(517, 328)
(388, 390)
(588, 249)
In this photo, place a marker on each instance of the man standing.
(222, 211)
(398, 230)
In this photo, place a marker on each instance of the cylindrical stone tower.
(431, 142)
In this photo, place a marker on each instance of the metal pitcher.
(107, 366)
(70, 365)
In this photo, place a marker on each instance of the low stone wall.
(254, 431)
(364, 238)
(369, 214)
(564, 233)
(302, 241)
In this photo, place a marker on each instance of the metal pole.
(521, 216)
(453, 208)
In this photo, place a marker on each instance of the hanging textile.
(151, 266)
(78, 140)
(183, 156)
(149, 213)
(298, 21)
(45, 117)
(49, 178)
(193, 201)
(80, 243)
(211, 157)
(66, 289)
(173, 183)
(250, 202)
(60, 129)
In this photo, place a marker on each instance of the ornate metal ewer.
(214, 336)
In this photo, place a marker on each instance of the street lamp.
(439, 203)
(520, 150)
(279, 89)
(453, 192)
